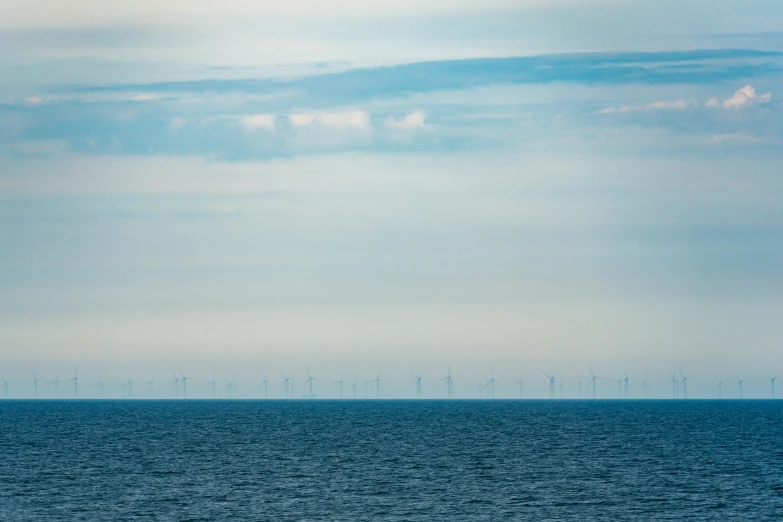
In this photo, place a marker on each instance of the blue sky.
(484, 180)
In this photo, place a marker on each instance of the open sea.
(391, 460)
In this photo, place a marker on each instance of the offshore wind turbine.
(772, 382)
(184, 381)
(579, 384)
(684, 384)
(552, 392)
(377, 382)
(309, 382)
(286, 383)
(739, 382)
(100, 384)
(449, 384)
(213, 383)
(520, 385)
(5, 385)
(491, 384)
(625, 380)
(353, 385)
(340, 382)
(56, 383)
(151, 383)
(644, 386)
(129, 384)
(675, 385)
(593, 380)
(720, 388)
(264, 383)
(418, 384)
(619, 384)
(175, 385)
(75, 380)
(35, 385)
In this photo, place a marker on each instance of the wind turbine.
(619, 383)
(772, 382)
(644, 386)
(35, 385)
(561, 388)
(184, 383)
(56, 383)
(491, 384)
(739, 381)
(449, 384)
(593, 380)
(520, 385)
(675, 385)
(580, 385)
(418, 384)
(175, 385)
(720, 388)
(340, 382)
(151, 382)
(552, 392)
(100, 384)
(625, 380)
(5, 385)
(377, 382)
(213, 383)
(353, 385)
(75, 380)
(129, 384)
(309, 382)
(684, 384)
(286, 381)
(264, 383)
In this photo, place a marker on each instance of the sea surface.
(391, 460)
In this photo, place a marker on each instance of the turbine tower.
(129, 384)
(286, 383)
(772, 382)
(625, 380)
(35, 385)
(265, 384)
(175, 385)
(593, 380)
(56, 383)
(213, 383)
(684, 384)
(418, 384)
(100, 384)
(644, 386)
(5, 386)
(491, 384)
(449, 384)
(151, 382)
(520, 385)
(75, 380)
(184, 380)
(353, 385)
(552, 387)
(309, 382)
(377, 382)
(340, 382)
(739, 382)
(675, 385)
(720, 388)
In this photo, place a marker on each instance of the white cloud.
(176, 123)
(662, 105)
(414, 120)
(144, 96)
(258, 121)
(743, 97)
(340, 120)
(37, 100)
(737, 137)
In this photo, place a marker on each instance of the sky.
(526, 185)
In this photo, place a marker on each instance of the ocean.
(391, 460)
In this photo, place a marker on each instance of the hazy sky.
(391, 181)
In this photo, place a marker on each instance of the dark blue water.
(396, 460)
